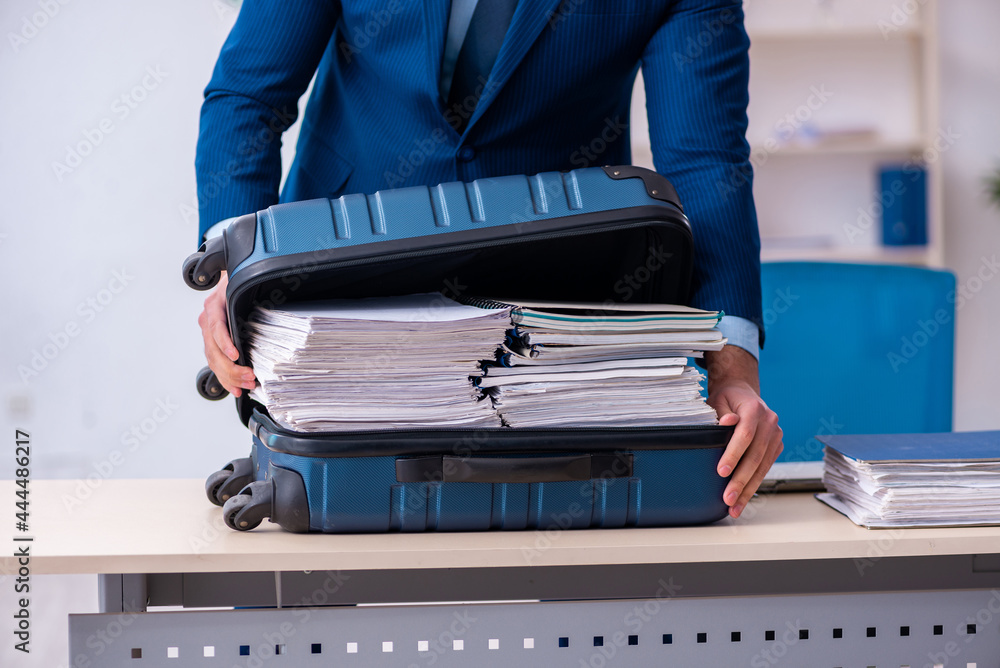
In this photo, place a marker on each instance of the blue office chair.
(856, 348)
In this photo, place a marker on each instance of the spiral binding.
(483, 302)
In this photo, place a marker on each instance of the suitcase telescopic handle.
(514, 468)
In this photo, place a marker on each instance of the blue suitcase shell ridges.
(302, 227)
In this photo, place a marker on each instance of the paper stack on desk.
(594, 365)
(914, 480)
(374, 363)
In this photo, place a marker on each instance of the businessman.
(410, 93)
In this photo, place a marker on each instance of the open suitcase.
(594, 234)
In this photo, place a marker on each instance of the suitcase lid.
(595, 234)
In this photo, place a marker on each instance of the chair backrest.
(856, 348)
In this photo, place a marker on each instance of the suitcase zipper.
(278, 430)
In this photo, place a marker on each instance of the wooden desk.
(159, 542)
(162, 526)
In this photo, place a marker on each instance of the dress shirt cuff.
(741, 333)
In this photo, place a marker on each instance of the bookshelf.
(839, 88)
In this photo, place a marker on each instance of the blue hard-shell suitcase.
(595, 234)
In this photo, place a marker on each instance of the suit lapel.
(530, 18)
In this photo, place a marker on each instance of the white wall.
(118, 209)
(970, 104)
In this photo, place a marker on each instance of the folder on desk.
(914, 480)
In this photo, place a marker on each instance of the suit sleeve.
(264, 68)
(696, 70)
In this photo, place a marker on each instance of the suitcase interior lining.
(591, 267)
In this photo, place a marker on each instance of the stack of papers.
(374, 363)
(600, 365)
(914, 480)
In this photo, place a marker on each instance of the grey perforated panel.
(955, 628)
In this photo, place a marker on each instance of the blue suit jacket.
(557, 98)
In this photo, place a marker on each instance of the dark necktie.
(487, 28)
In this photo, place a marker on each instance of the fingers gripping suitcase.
(595, 234)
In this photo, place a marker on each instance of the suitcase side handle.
(514, 468)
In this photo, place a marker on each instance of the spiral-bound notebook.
(600, 364)
(547, 333)
(602, 316)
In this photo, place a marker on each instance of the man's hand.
(734, 392)
(219, 349)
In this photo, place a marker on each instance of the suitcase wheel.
(196, 278)
(247, 510)
(228, 482)
(203, 269)
(209, 386)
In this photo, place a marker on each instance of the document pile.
(593, 365)
(914, 480)
(374, 363)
